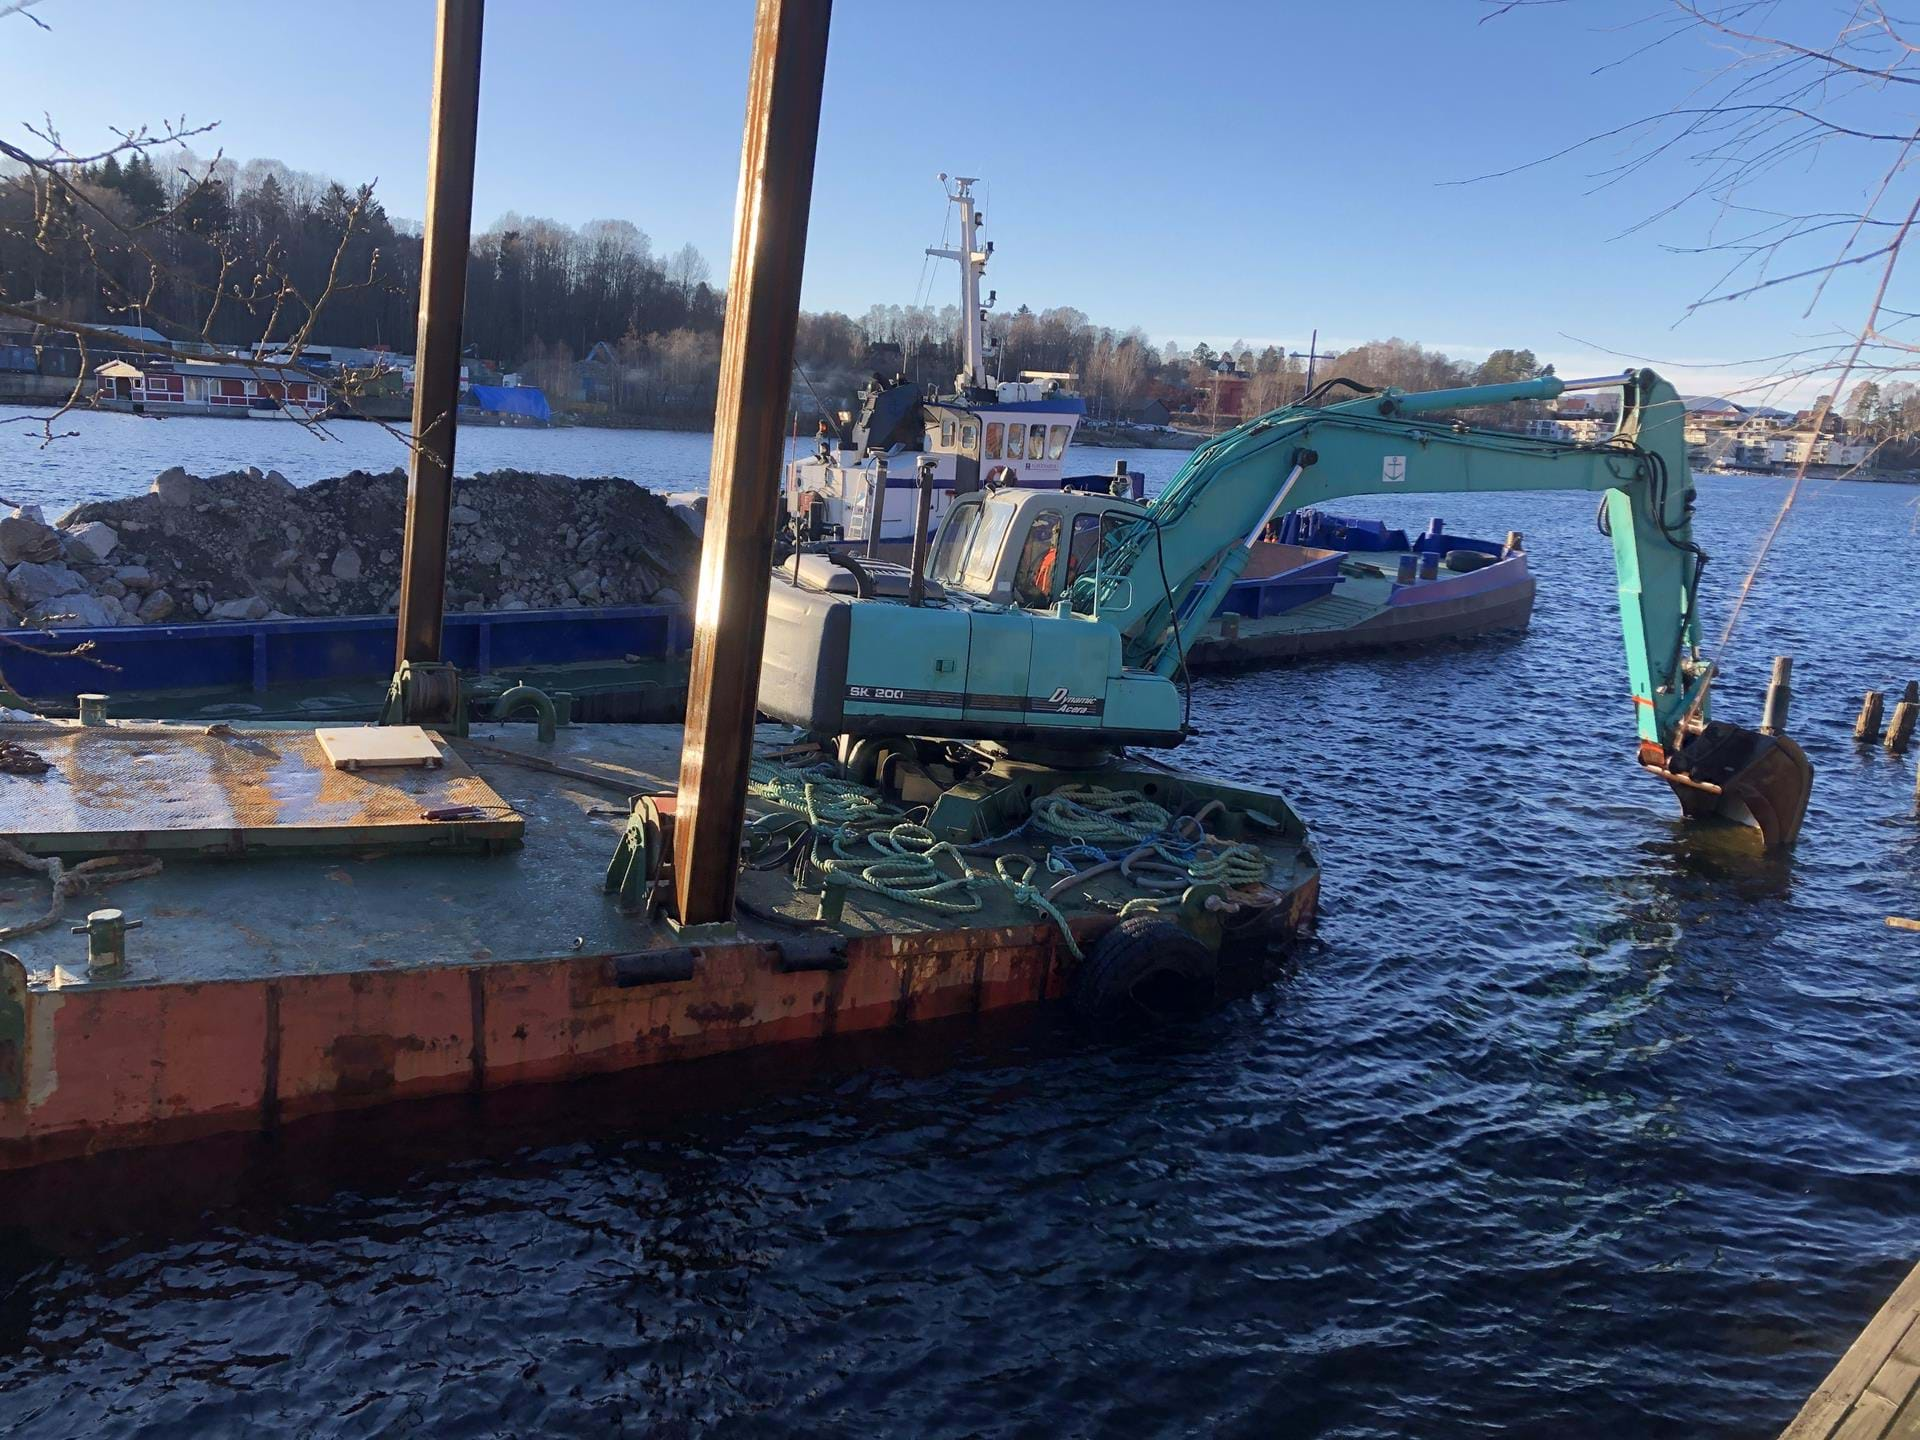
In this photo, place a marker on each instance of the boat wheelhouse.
(1013, 432)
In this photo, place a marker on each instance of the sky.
(1222, 170)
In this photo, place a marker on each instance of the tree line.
(261, 254)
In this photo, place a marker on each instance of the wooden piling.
(1866, 729)
(443, 292)
(1900, 727)
(756, 363)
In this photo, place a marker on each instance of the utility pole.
(756, 367)
(443, 292)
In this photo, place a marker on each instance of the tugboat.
(1014, 432)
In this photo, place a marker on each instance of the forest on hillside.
(243, 253)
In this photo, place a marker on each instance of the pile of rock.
(252, 546)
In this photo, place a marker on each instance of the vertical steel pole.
(756, 366)
(443, 293)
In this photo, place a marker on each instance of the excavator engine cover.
(1743, 775)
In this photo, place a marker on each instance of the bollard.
(1773, 717)
(106, 932)
(1515, 541)
(1408, 564)
(833, 897)
(1866, 729)
(93, 709)
(1900, 727)
(1429, 565)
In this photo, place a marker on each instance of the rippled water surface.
(1570, 1124)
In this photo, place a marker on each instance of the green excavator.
(936, 676)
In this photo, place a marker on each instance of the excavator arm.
(1384, 444)
(1160, 581)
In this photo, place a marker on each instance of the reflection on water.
(1574, 1122)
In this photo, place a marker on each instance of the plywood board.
(355, 747)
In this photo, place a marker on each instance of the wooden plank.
(1828, 1407)
(1894, 1380)
(1906, 1425)
(1868, 1419)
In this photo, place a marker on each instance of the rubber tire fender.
(1462, 562)
(1145, 967)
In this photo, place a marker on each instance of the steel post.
(922, 518)
(443, 291)
(756, 364)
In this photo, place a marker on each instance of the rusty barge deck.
(267, 986)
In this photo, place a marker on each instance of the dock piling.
(1905, 715)
(756, 363)
(1866, 729)
(443, 291)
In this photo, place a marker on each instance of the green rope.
(827, 802)
(1025, 892)
(906, 867)
(876, 850)
(1235, 865)
(1095, 815)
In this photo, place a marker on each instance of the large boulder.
(92, 542)
(27, 538)
(176, 487)
(32, 582)
(75, 610)
(250, 608)
(157, 606)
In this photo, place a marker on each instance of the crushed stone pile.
(253, 546)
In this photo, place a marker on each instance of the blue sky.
(1218, 171)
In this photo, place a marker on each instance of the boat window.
(1039, 561)
(994, 431)
(955, 536)
(968, 433)
(1037, 442)
(1057, 440)
(946, 434)
(1016, 442)
(1085, 548)
(976, 568)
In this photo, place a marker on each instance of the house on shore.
(150, 385)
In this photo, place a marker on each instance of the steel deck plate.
(175, 788)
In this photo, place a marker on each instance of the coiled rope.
(875, 847)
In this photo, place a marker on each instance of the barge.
(302, 947)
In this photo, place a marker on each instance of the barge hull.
(261, 991)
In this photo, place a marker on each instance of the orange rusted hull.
(109, 1067)
(106, 1067)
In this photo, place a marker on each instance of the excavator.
(948, 679)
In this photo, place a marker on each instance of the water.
(1572, 1123)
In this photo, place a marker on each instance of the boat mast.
(973, 263)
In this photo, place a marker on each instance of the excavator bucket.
(1747, 776)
